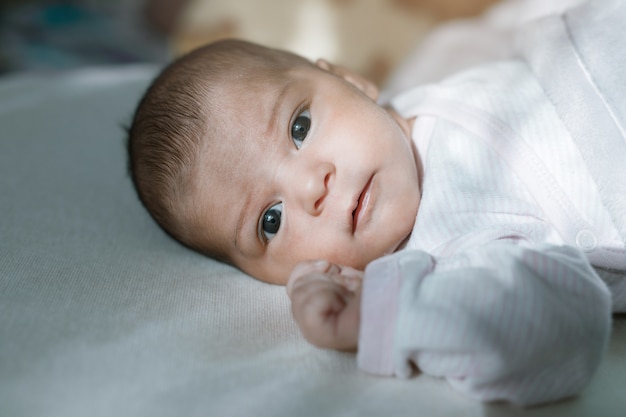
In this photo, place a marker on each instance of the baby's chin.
(397, 246)
(402, 244)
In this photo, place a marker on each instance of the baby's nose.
(314, 186)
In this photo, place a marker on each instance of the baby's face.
(309, 168)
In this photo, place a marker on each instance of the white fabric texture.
(102, 314)
(495, 303)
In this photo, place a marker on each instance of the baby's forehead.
(242, 116)
(230, 145)
(247, 104)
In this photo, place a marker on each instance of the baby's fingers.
(317, 313)
(317, 269)
(349, 278)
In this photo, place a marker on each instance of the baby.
(263, 159)
(473, 229)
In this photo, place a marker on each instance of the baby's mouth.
(361, 205)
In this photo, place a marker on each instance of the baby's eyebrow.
(241, 220)
(245, 213)
(278, 101)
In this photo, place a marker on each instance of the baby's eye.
(270, 223)
(300, 128)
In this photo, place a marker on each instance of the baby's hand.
(325, 302)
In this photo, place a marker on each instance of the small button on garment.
(586, 240)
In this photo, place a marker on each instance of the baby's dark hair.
(178, 113)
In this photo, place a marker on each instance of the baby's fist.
(325, 302)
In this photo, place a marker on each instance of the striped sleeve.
(500, 322)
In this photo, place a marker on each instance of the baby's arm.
(325, 302)
(499, 322)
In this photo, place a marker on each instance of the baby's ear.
(357, 80)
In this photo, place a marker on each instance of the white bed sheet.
(101, 314)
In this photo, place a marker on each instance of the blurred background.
(368, 36)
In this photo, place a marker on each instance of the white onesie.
(517, 258)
